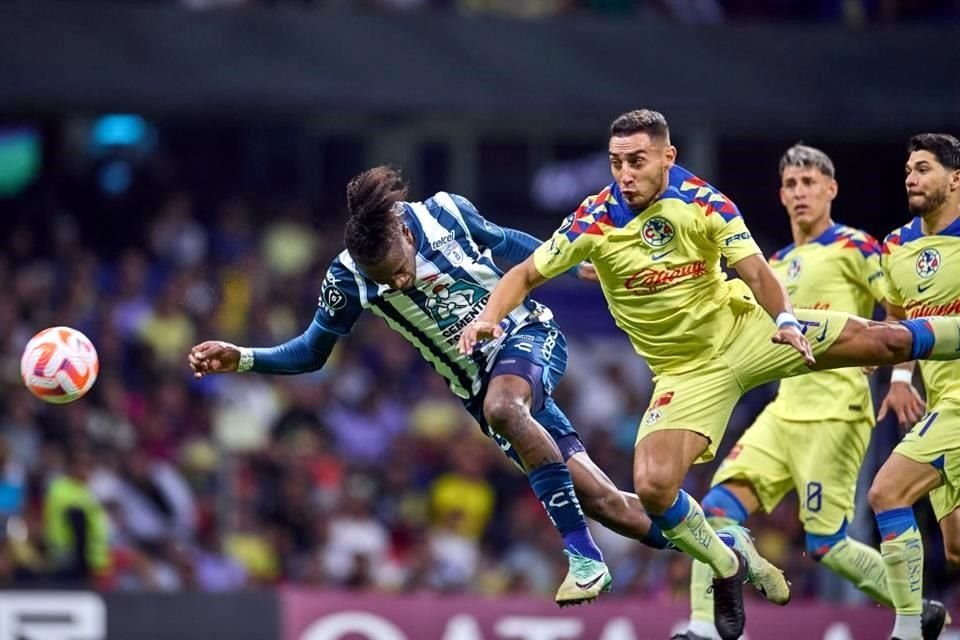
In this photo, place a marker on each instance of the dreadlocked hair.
(372, 197)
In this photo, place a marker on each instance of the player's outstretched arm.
(515, 285)
(307, 352)
(772, 296)
(903, 399)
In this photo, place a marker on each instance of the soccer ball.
(59, 365)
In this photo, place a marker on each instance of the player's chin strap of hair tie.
(787, 319)
(246, 359)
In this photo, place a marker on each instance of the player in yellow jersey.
(814, 435)
(656, 236)
(921, 261)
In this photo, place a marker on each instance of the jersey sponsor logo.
(442, 242)
(332, 297)
(794, 269)
(453, 306)
(450, 248)
(928, 263)
(651, 280)
(566, 224)
(657, 232)
(918, 309)
(743, 235)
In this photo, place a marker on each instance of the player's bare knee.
(504, 413)
(884, 495)
(657, 490)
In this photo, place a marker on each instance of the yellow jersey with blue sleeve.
(840, 270)
(659, 268)
(923, 277)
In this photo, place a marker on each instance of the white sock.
(703, 628)
(907, 628)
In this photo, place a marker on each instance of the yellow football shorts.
(936, 440)
(821, 460)
(703, 399)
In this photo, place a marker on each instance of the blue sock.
(656, 540)
(895, 522)
(554, 488)
(720, 502)
(673, 516)
(923, 338)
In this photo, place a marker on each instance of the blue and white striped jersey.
(455, 276)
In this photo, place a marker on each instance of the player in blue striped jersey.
(427, 269)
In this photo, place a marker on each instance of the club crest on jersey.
(657, 231)
(653, 417)
(450, 248)
(928, 263)
(793, 270)
(452, 306)
(331, 297)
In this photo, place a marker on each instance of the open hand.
(588, 272)
(905, 401)
(213, 356)
(791, 335)
(478, 331)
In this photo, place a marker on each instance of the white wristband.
(785, 319)
(246, 359)
(901, 375)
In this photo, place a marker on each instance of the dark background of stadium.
(268, 108)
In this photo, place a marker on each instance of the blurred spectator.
(75, 522)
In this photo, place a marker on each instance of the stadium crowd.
(365, 475)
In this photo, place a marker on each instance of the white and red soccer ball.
(59, 365)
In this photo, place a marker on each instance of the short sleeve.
(730, 232)
(872, 272)
(570, 244)
(892, 293)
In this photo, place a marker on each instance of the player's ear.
(670, 154)
(833, 187)
(955, 180)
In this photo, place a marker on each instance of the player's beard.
(640, 206)
(930, 202)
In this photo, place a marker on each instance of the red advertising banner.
(322, 615)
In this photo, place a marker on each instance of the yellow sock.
(685, 525)
(701, 578)
(861, 565)
(902, 552)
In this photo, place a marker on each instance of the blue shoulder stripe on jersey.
(690, 189)
(781, 254)
(913, 230)
(389, 310)
(836, 232)
(953, 229)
